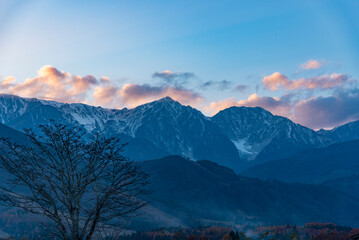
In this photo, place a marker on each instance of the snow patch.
(240, 145)
(88, 123)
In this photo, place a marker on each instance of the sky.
(297, 59)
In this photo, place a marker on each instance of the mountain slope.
(259, 134)
(153, 130)
(13, 135)
(335, 165)
(346, 132)
(21, 113)
(181, 130)
(205, 193)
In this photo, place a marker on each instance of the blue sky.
(233, 42)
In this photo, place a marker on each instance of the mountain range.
(152, 130)
(237, 137)
(289, 174)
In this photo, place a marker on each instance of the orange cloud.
(326, 81)
(7, 82)
(274, 81)
(105, 95)
(311, 64)
(215, 107)
(52, 84)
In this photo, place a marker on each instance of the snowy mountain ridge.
(232, 137)
(255, 129)
(165, 123)
(343, 133)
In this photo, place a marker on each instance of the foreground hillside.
(190, 193)
(336, 165)
(315, 231)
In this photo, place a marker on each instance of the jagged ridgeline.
(237, 137)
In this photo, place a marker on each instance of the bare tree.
(85, 188)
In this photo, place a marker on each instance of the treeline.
(310, 231)
(200, 233)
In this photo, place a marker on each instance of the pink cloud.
(328, 112)
(320, 82)
(327, 81)
(52, 84)
(7, 82)
(274, 81)
(311, 64)
(215, 107)
(105, 95)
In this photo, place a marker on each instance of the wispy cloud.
(311, 64)
(241, 87)
(220, 85)
(174, 78)
(327, 81)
